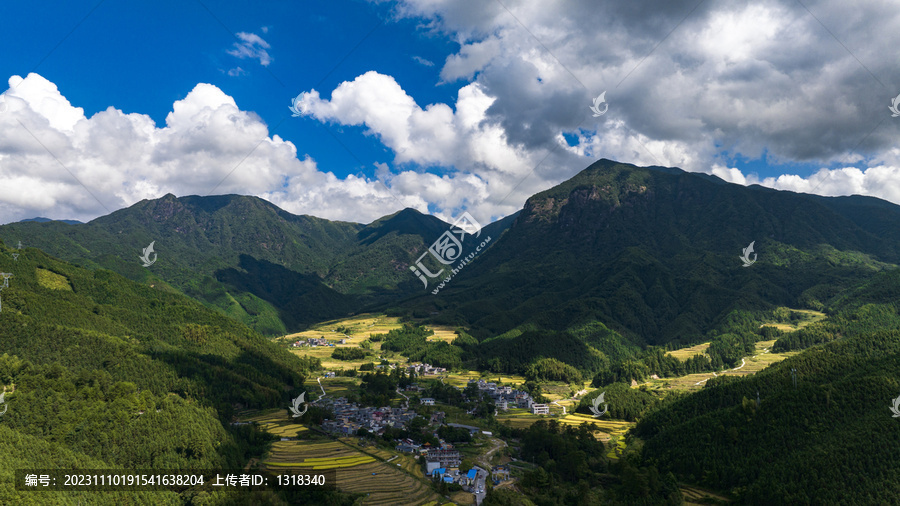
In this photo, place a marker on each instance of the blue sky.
(143, 56)
(444, 106)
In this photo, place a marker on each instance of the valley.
(706, 368)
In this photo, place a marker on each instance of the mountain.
(102, 372)
(653, 254)
(45, 220)
(822, 432)
(270, 269)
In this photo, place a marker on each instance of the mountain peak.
(40, 219)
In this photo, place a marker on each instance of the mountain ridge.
(210, 247)
(664, 241)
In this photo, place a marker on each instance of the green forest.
(100, 372)
(822, 431)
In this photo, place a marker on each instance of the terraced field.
(808, 316)
(355, 330)
(358, 470)
(442, 333)
(461, 379)
(752, 364)
(385, 485)
(694, 495)
(606, 430)
(339, 386)
(686, 353)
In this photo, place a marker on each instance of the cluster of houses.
(506, 397)
(317, 341)
(426, 369)
(349, 417)
(454, 476)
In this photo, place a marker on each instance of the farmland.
(358, 469)
(461, 378)
(752, 364)
(355, 330)
(804, 317)
(686, 353)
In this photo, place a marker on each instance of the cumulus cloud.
(688, 85)
(487, 172)
(251, 46)
(685, 83)
(56, 162)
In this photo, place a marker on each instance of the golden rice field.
(686, 353)
(354, 469)
(461, 379)
(442, 333)
(761, 358)
(809, 316)
(388, 486)
(339, 386)
(358, 329)
(605, 430)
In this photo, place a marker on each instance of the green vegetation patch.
(52, 280)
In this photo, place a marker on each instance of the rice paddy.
(357, 469)
(461, 379)
(354, 331)
(808, 316)
(686, 353)
(761, 358)
(604, 430)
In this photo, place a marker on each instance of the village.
(420, 426)
(442, 461)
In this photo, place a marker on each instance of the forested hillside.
(822, 432)
(102, 371)
(619, 259)
(269, 269)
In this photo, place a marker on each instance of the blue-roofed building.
(470, 476)
(448, 478)
(437, 473)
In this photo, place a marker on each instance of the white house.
(540, 409)
(428, 401)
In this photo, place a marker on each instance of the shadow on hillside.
(301, 299)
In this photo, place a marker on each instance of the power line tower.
(6, 276)
(794, 377)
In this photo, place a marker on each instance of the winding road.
(319, 379)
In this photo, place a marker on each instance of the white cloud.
(251, 46)
(423, 61)
(484, 166)
(880, 181)
(123, 158)
(759, 79)
(237, 72)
